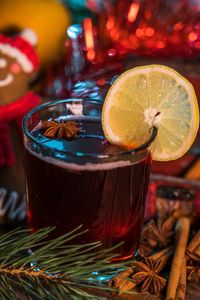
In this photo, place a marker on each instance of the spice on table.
(122, 281)
(145, 249)
(66, 130)
(181, 289)
(193, 246)
(144, 274)
(156, 234)
(182, 234)
(147, 273)
(193, 258)
(193, 273)
(163, 254)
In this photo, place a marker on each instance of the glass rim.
(144, 146)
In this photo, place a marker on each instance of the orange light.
(133, 12)
(90, 54)
(150, 31)
(139, 32)
(193, 36)
(89, 39)
(114, 34)
(110, 23)
(160, 45)
(178, 26)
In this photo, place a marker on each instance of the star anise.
(193, 267)
(193, 273)
(156, 235)
(147, 273)
(145, 249)
(60, 130)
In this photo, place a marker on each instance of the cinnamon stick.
(195, 242)
(180, 295)
(182, 234)
(164, 252)
(122, 281)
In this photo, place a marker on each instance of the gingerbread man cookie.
(19, 64)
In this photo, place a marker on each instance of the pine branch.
(38, 268)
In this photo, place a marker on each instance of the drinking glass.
(85, 180)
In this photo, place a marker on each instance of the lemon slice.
(147, 96)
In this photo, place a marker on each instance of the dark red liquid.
(110, 203)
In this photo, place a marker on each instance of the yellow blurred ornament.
(48, 18)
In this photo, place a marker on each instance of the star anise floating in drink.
(65, 129)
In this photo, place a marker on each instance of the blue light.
(80, 154)
(74, 31)
(95, 273)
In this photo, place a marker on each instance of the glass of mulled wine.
(84, 179)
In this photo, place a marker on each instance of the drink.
(87, 181)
